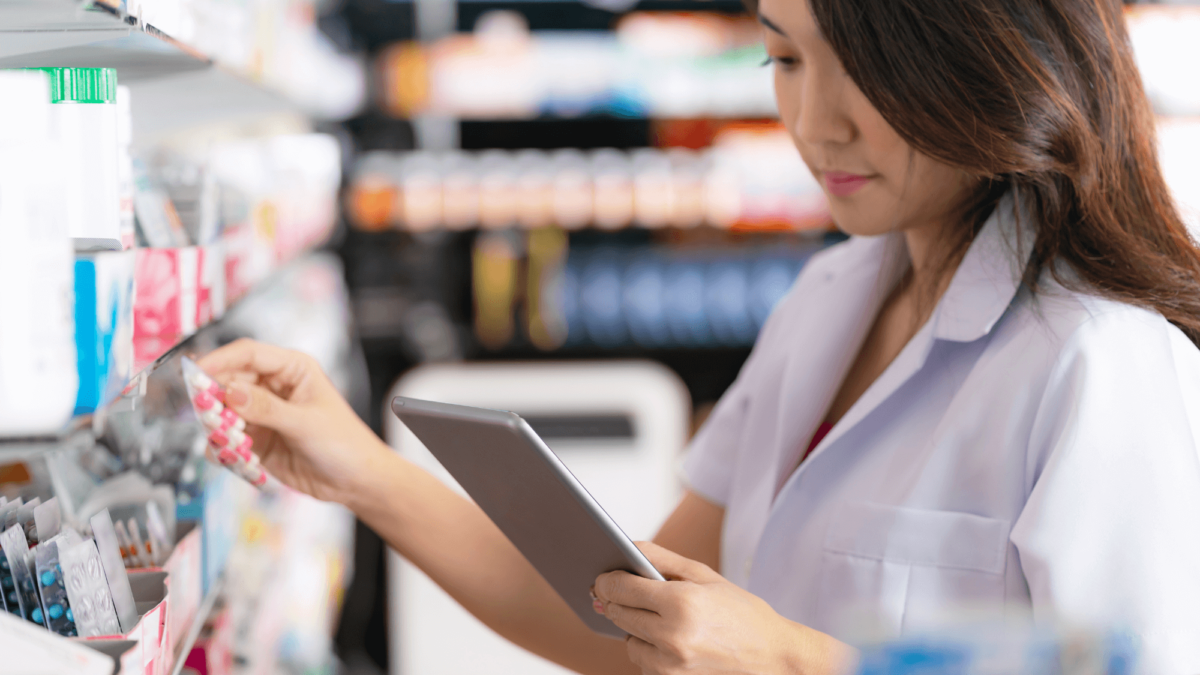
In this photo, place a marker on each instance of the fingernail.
(237, 395)
(598, 606)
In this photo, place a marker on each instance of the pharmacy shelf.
(174, 87)
(17, 448)
(202, 614)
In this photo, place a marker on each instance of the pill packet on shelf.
(47, 518)
(56, 605)
(16, 550)
(8, 590)
(109, 550)
(87, 589)
(156, 534)
(8, 513)
(26, 521)
(228, 443)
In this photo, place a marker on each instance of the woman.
(988, 396)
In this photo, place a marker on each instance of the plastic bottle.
(85, 114)
(38, 378)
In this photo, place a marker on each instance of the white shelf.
(174, 87)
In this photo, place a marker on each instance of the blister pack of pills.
(47, 518)
(114, 569)
(87, 589)
(228, 443)
(26, 521)
(16, 550)
(56, 604)
(8, 588)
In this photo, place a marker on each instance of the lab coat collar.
(983, 287)
(988, 277)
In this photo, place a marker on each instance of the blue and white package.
(52, 587)
(104, 295)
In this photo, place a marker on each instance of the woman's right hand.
(304, 432)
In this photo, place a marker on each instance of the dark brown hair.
(1041, 97)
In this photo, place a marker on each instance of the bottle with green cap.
(38, 375)
(85, 117)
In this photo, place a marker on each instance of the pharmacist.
(988, 397)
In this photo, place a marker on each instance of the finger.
(676, 567)
(628, 589)
(264, 360)
(643, 654)
(257, 405)
(640, 623)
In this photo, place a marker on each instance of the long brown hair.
(1040, 97)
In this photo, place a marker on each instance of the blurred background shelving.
(390, 184)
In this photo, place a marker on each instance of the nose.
(821, 116)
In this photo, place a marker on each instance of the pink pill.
(259, 480)
(206, 401)
(243, 449)
(219, 438)
(227, 457)
(229, 417)
(216, 392)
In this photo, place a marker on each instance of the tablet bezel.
(444, 440)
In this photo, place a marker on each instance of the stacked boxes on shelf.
(124, 309)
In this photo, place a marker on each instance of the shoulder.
(1077, 323)
(1108, 362)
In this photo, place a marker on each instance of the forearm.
(453, 541)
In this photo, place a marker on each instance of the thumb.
(258, 405)
(675, 567)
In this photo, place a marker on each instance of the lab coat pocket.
(891, 568)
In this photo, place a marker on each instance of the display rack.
(175, 85)
(193, 633)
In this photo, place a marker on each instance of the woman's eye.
(784, 62)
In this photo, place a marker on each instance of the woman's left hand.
(698, 622)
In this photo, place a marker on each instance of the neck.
(930, 273)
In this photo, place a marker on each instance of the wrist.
(810, 652)
(372, 479)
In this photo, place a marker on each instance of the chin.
(859, 222)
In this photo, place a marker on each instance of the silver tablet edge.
(633, 554)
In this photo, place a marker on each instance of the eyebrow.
(770, 24)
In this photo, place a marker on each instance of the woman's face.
(874, 180)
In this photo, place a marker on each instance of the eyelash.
(787, 62)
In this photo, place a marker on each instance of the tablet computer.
(531, 496)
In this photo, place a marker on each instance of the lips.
(843, 184)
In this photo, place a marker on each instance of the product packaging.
(16, 550)
(126, 189)
(84, 112)
(47, 519)
(38, 378)
(104, 293)
(228, 444)
(87, 589)
(114, 570)
(56, 605)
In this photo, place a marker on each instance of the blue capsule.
(55, 611)
(70, 616)
(48, 578)
(36, 615)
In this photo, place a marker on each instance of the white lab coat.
(1023, 454)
